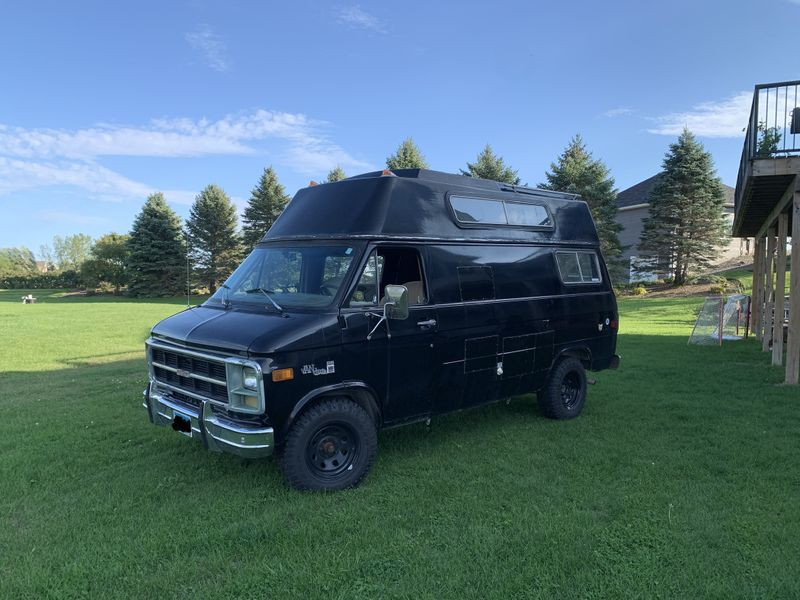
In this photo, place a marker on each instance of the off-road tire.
(564, 393)
(331, 446)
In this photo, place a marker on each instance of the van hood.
(239, 331)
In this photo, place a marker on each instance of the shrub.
(43, 281)
(717, 290)
(639, 291)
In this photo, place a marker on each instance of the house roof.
(640, 193)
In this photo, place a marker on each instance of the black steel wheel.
(331, 446)
(564, 393)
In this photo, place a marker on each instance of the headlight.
(245, 388)
(250, 378)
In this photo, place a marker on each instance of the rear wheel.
(564, 394)
(331, 446)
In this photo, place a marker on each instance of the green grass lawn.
(680, 480)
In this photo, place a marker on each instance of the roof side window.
(476, 210)
(486, 211)
(578, 267)
(527, 215)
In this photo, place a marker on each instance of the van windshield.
(281, 277)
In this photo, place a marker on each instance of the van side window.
(390, 266)
(578, 267)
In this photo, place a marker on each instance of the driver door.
(399, 356)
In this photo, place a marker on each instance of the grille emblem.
(182, 373)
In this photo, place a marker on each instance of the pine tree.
(267, 201)
(156, 262)
(336, 174)
(214, 245)
(490, 166)
(407, 156)
(686, 224)
(577, 172)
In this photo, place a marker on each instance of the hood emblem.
(182, 373)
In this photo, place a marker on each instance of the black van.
(381, 300)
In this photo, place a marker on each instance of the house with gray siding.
(633, 206)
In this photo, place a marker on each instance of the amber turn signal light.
(282, 375)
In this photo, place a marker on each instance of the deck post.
(780, 290)
(755, 301)
(769, 267)
(793, 340)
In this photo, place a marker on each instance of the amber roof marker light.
(387, 173)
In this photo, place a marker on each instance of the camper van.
(385, 299)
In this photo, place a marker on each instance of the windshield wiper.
(267, 294)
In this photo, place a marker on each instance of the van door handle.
(427, 324)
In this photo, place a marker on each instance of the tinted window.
(474, 210)
(578, 267)
(500, 212)
(530, 215)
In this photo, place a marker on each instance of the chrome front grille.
(189, 374)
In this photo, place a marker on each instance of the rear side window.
(499, 212)
(578, 267)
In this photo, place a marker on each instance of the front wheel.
(564, 394)
(331, 446)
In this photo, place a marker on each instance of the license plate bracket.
(182, 423)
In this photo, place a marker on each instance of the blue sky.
(103, 102)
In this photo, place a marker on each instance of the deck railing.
(769, 129)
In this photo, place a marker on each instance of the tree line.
(683, 232)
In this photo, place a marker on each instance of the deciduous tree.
(686, 224)
(107, 263)
(214, 245)
(267, 201)
(72, 250)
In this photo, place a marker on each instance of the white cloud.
(16, 175)
(719, 119)
(210, 45)
(40, 157)
(357, 18)
(620, 111)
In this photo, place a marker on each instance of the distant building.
(633, 205)
(42, 266)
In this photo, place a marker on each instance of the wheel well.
(361, 396)
(582, 353)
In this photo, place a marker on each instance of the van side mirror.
(396, 301)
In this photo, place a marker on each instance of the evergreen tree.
(407, 156)
(577, 172)
(686, 224)
(267, 201)
(336, 174)
(214, 245)
(156, 262)
(490, 166)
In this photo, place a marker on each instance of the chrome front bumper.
(217, 433)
